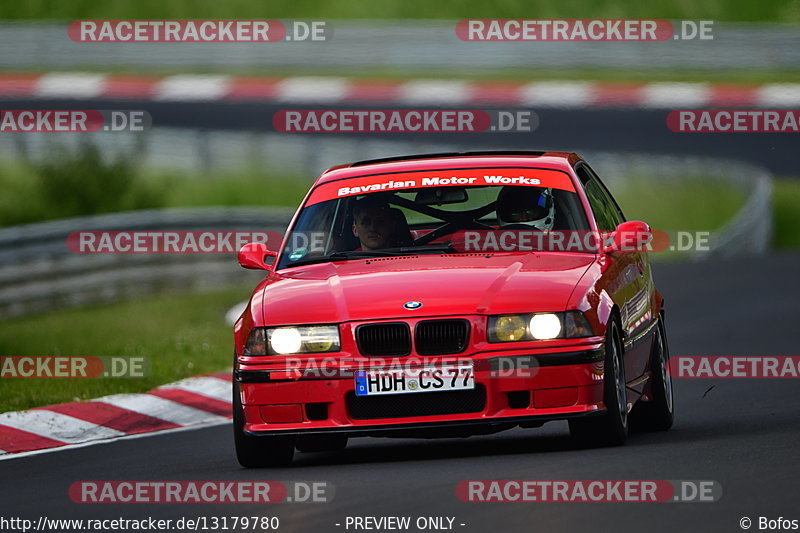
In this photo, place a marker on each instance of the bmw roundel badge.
(412, 305)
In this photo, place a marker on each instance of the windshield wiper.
(439, 248)
(343, 256)
(359, 254)
(405, 250)
(355, 254)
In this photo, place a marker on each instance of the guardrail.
(748, 232)
(38, 272)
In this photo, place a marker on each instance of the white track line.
(57, 426)
(779, 94)
(676, 95)
(435, 92)
(77, 85)
(20, 455)
(216, 388)
(557, 94)
(192, 87)
(147, 404)
(328, 89)
(312, 89)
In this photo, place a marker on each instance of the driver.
(526, 206)
(374, 223)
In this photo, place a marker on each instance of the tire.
(610, 428)
(659, 413)
(321, 443)
(258, 452)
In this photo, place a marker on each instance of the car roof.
(421, 162)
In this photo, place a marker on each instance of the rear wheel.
(321, 443)
(257, 452)
(610, 428)
(657, 414)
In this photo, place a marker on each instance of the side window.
(617, 212)
(604, 211)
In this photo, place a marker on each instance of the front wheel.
(610, 428)
(659, 413)
(257, 452)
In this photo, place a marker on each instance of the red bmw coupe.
(450, 295)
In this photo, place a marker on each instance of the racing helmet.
(526, 206)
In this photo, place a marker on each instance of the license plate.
(427, 379)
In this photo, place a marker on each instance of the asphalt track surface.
(743, 433)
(614, 130)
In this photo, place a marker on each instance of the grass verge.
(242, 188)
(786, 205)
(685, 204)
(181, 335)
(23, 201)
(727, 10)
(692, 205)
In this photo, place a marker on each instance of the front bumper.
(512, 388)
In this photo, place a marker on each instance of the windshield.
(394, 215)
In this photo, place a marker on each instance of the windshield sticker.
(457, 177)
(298, 254)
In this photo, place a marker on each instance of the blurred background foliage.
(721, 10)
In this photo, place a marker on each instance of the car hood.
(377, 288)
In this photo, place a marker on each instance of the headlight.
(576, 325)
(285, 340)
(293, 339)
(538, 326)
(510, 328)
(256, 342)
(545, 326)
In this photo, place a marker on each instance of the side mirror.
(254, 255)
(631, 236)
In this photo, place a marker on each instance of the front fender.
(589, 297)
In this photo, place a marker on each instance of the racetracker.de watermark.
(203, 492)
(734, 121)
(168, 242)
(518, 240)
(502, 240)
(588, 490)
(73, 366)
(198, 31)
(516, 366)
(73, 120)
(583, 30)
(404, 121)
(257, 522)
(734, 366)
